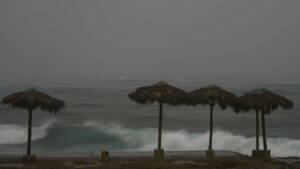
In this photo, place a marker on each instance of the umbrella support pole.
(159, 152)
(29, 133)
(262, 154)
(211, 127)
(257, 131)
(160, 125)
(29, 158)
(264, 130)
(210, 153)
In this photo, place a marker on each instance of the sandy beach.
(146, 162)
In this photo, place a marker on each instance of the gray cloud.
(142, 38)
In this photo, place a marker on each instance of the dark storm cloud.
(141, 38)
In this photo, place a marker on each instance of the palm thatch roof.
(263, 100)
(32, 99)
(160, 92)
(212, 95)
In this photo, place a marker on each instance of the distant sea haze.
(99, 115)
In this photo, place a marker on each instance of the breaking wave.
(93, 136)
(14, 134)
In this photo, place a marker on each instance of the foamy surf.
(92, 136)
(15, 134)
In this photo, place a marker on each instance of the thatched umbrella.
(212, 95)
(30, 100)
(264, 101)
(161, 93)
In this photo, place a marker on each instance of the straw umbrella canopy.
(30, 100)
(212, 95)
(161, 93)
(264, 101)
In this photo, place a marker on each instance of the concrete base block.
(105, 156)
(210, 154)
(261, 154)
(29, 159)
(159, 155)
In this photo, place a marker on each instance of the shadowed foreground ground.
(148, 163)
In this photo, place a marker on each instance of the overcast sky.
(149, 38)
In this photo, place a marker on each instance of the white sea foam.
(146, 140)
(14, 134)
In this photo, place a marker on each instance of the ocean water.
(99, 116)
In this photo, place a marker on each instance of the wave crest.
(182, 140)
(14, 134)
(92, 135)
